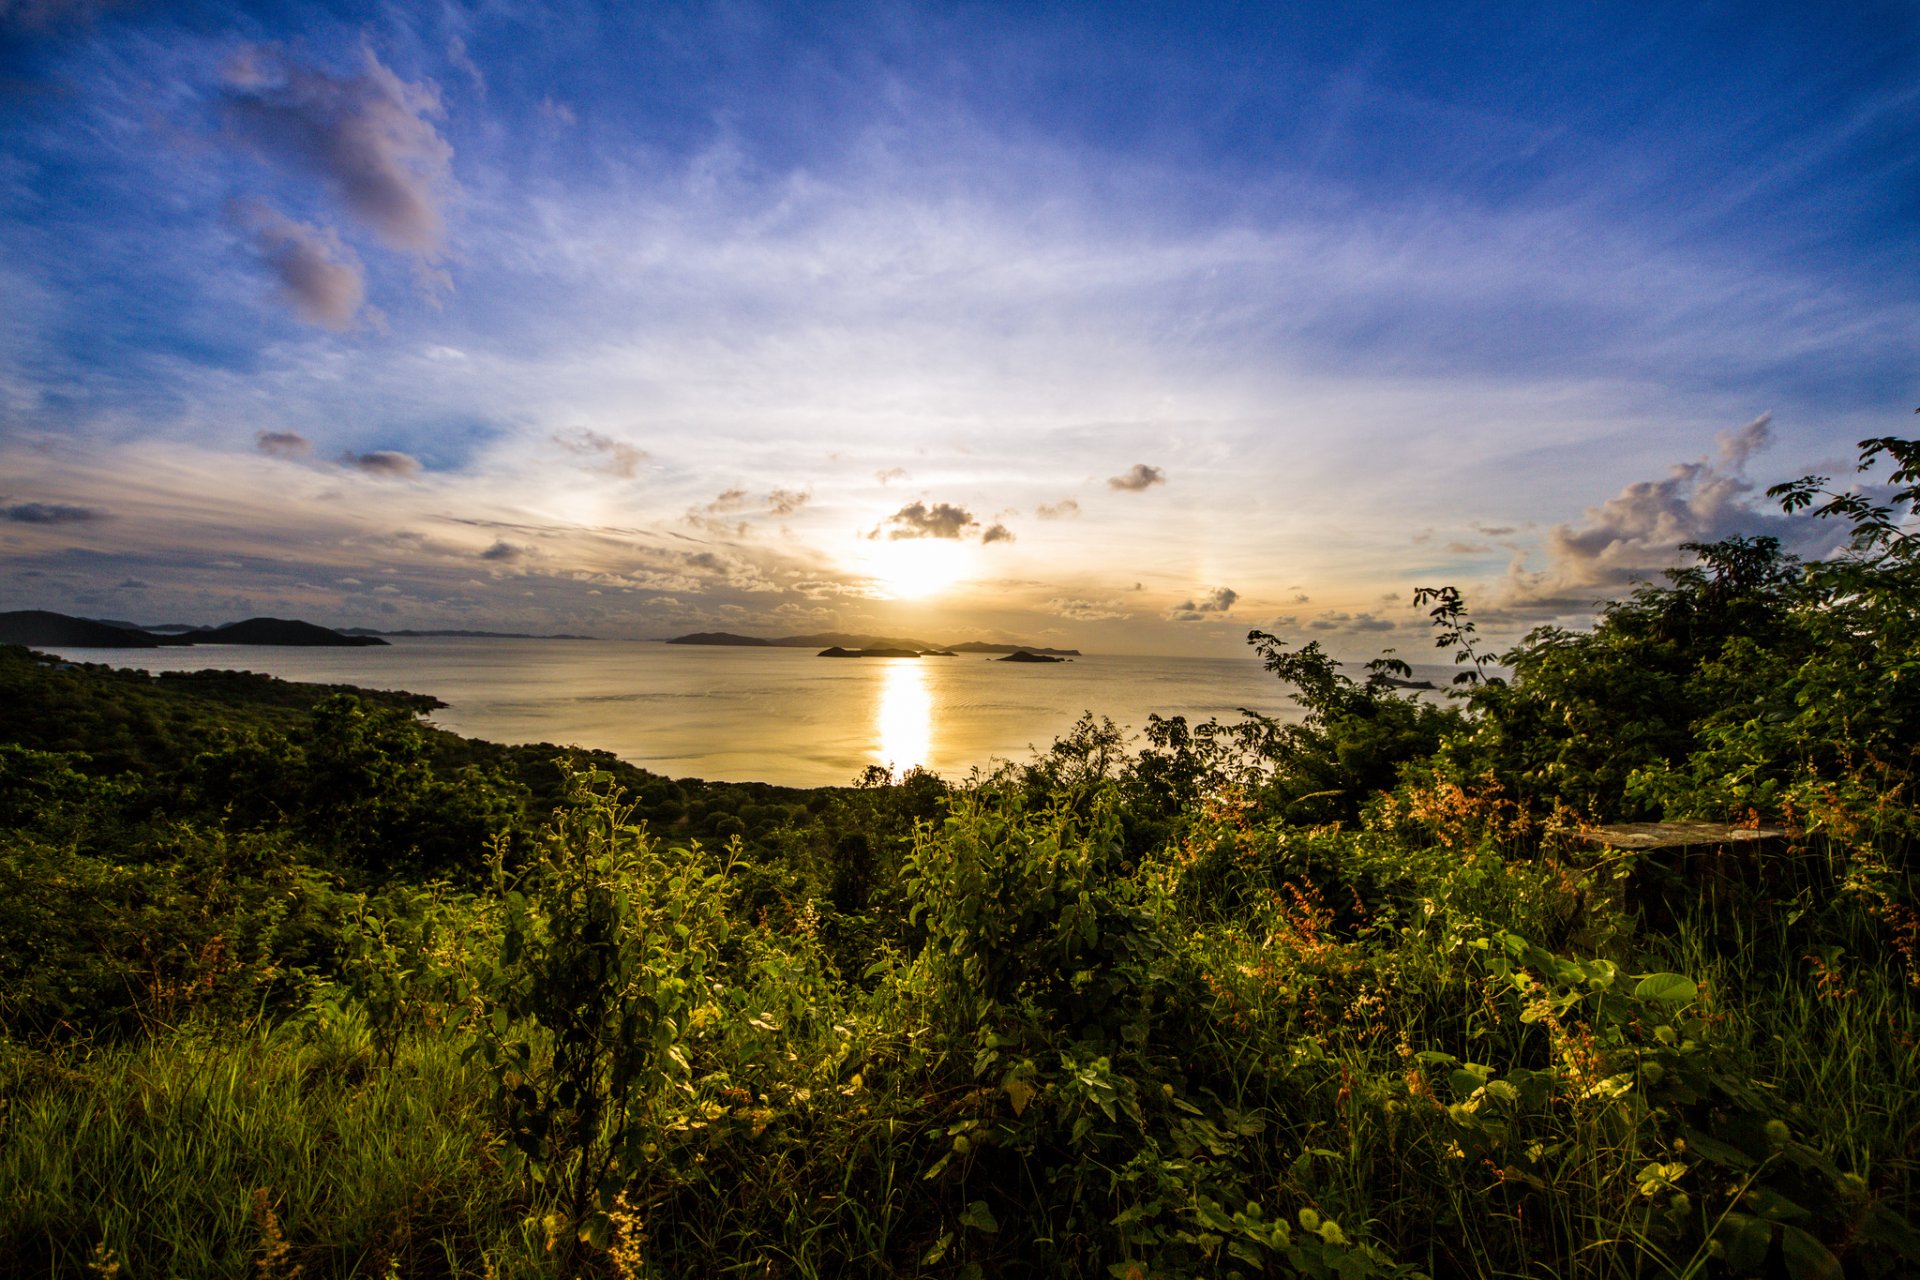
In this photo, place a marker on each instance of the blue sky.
(1132, 326)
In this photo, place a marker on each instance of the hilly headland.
(59, 631)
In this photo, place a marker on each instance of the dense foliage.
(292, 983)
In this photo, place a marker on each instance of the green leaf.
(1667, 988)
(597, 1230)
(980, 1218)
(1465, 1082)
(1806, 1257)
(1769, 1203)
(1711, 1148)
(1746, 1240)
(1888, 1229)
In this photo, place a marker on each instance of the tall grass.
(221, 1154)
(1258, 1051)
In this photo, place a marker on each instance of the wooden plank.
(1675, 835)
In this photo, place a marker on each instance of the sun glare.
(915, 568)
(904, 721)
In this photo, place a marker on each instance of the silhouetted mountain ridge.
(58, 631)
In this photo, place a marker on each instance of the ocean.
(757, 715)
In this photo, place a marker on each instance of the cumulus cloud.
(320, 278)
(1065, 509)
(282, 444)
(729, 500)
(615, 457)
(1636, 533)
(504, 552)
(1739, 445)
(50, 513)
(1137, 478)
(385, 463)
(918, 520)
(891, 473)
(997, 533)
(1214, 604)
(1086, 610)
(368, 136)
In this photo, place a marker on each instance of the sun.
(916, 568)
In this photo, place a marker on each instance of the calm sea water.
(764, 715)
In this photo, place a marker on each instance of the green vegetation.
(291, 983)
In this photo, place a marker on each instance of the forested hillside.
(293, 983)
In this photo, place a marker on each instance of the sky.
(1115, 326)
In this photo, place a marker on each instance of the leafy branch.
(1449, 614)
(1876, 525)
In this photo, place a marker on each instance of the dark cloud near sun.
(387, 464)
(283, 444)
(918, 520)
(321, 279)
(1137, 479)
(50, 513)
(1065, 509)
(368, 136)
(997, 533)
(1216, 603)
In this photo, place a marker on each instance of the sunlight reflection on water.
(903, 723)
(757, 715)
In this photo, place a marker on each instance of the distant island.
(469, 635)
(40, 627)
(863, 645)
(1025, 655)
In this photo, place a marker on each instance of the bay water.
(783, 716)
